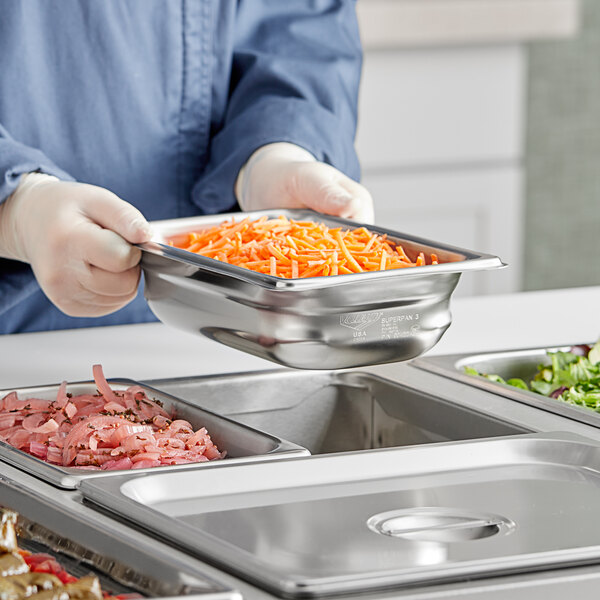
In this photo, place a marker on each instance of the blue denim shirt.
(162, 102)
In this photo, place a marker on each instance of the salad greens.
(573, 377)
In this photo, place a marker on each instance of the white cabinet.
(440, 107)
(440, 143)
(442, 119)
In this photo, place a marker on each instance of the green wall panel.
(562, 159)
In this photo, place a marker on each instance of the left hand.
(79, 240)
(283, 175)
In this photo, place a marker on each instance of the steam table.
(153, 351)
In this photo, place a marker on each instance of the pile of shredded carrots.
(291, 249)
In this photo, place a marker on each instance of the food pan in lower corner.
(238, 442)
(324, 322)
(69, 555)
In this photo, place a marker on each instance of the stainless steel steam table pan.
(318, 322)
(241, 442)
(507, 364)
(123, 563)
(379, 519)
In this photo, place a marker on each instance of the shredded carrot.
(383, 261)
(286, 248)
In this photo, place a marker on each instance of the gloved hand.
(77, 239)
(284, 175)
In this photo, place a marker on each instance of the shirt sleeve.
(16, 159)
(295, 77)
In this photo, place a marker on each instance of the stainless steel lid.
(354, 522)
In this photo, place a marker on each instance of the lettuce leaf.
(594, 354)
(518, 383)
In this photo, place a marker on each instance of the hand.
(77, 239)
(283, 175)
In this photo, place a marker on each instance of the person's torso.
(122, 94)
(118, 93)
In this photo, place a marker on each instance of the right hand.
(283, 175)
(77, 239)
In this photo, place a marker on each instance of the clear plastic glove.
(283, 175)
(77, 239)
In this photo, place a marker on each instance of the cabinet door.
(478, 209)
(441, 106)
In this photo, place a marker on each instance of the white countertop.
(154, 351)
(388, 24)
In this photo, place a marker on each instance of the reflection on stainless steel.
(299, 527)
(241, 442)
(507, 364)
(337, 412)
(315, 323)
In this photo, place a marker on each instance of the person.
(120, 112)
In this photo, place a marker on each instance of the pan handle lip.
(203, 263)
